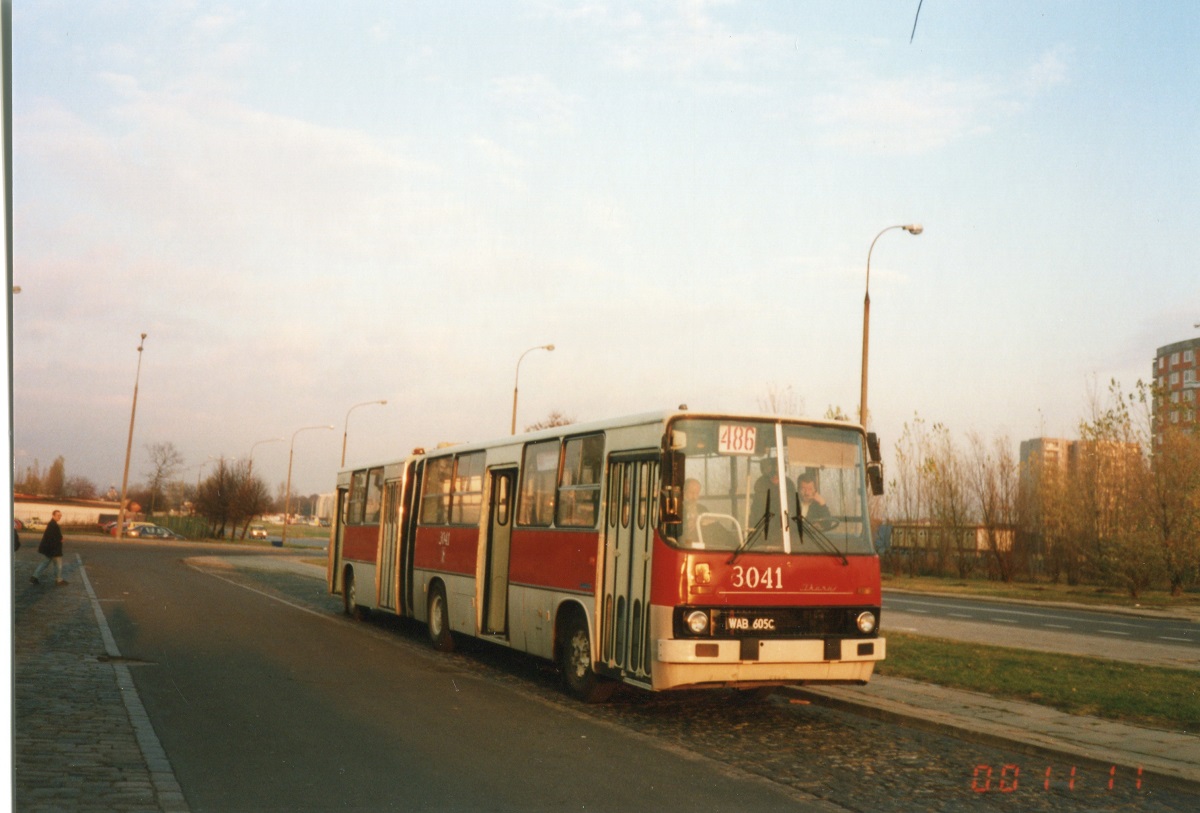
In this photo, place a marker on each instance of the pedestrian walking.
(51, 548)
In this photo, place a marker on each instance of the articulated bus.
(667, 551)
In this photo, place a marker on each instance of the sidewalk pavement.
(83, 741)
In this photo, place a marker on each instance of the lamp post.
(517, 378)
(346, 427)
(129, 444)
(287, 494)
(911, 228)
(250, 459)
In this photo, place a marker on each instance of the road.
(266, 698)
(1162, 641)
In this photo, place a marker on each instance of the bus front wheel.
(439, 620)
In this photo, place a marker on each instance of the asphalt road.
(1161, 641)
(1118, 626)
(263, 705)
(266, 698)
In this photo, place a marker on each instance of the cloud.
(534, 105)
(918, 113)
(903, 116)
(690, 41)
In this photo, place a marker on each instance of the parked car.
(149, 531)
(258, 532)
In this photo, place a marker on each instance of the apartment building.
(1176, 377)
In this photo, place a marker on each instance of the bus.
(673, 550)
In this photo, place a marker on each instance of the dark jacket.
(51, 544)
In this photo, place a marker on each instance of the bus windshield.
(765, 487)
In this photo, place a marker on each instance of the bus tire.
(575, 660)
(350, 603)
(439, 620)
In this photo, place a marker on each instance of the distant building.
(923, 536)
(35, 511)
(1041, 454)
(1176, 376)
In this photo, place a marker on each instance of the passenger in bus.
(692, 509)
(766, 495)
(812, 504)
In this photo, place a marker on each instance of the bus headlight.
(697, 622)
(866, 622)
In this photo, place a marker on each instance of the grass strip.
(1131, 693)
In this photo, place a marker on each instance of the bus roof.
(641, 419)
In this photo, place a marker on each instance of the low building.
(913, 537)
(35, 512)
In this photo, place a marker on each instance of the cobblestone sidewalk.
(82, 741)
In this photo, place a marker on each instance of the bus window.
(374, 496)
(358, 498)
(435, 495)
(579, 489)
(468, 489)
(539, 476)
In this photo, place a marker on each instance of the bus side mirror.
(873, 447)
(875, 477)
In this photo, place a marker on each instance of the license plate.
(745, 623)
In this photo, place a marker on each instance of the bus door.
(413, 473)
(386, 572)
(499, 538)
(628, 543)
(335, 542)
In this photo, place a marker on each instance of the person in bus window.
(766, 496)
(692, 509)
(812, 504)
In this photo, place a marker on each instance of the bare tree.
(31, 480)
(555, 418)
(907, 495)
(780, 401)
(993, 479)
(949, 503)
(80, 488)
(165, 462)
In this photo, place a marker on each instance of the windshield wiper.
(817, 534)
(760, 527)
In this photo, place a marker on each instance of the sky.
(307, 206)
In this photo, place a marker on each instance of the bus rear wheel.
(575, 660)
(439, 620)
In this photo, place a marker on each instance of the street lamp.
(250, 464)
(129, 444)
(518, 378)
(911, 228)
(346, 427)
(287, 494)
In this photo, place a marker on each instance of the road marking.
(162, 775)
(1171, 638)
(960, 615)
(1113, 632)
(271, 596)
(1058, 626)
(1004, 621)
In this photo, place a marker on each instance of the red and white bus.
(671, 550)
